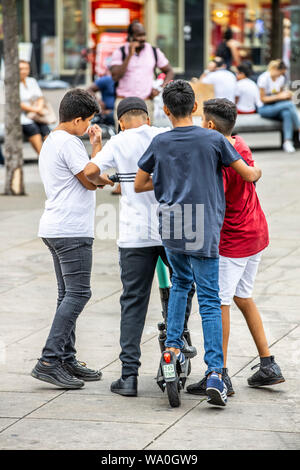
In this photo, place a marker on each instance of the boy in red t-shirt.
(244, 236)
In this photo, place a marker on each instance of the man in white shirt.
(247, 92)
(224, 82)
(139, 240)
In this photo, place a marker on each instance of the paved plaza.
(35, 415)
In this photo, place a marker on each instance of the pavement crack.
(173, 424)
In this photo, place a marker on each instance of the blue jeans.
(286, 112)
(73, 264)
(205, 272)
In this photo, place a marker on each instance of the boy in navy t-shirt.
(186, 167)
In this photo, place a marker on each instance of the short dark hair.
(179, 97)
(77, 103)
(219, 61)
(245, 69)
(134, 113)
(222, 112)
(228, 34)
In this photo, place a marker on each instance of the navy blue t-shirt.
(186, 167)
(107, 87)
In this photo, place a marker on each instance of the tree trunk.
(13, 147)
(277, 31)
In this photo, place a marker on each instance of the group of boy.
(188, 196)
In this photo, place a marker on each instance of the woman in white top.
(277, 102)
(30, 93)
(247, 92)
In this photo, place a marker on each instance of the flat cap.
(132, 102)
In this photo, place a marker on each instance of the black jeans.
(137, 273)
(72, 263)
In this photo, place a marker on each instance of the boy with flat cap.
(139, 241)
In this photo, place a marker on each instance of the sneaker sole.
(124, 393)
(196, 392)
(89, 379)
(269, 382)
(46, 378)
(189, 355)
(214, 397)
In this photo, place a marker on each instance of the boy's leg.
(206, 274)
(230, 272)
(75, 259)
(269, 372)
(225, 309)
(182, 280)
(137, 272)
(243, 300)
(70, 351)
(255, 324)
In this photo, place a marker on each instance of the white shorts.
(237, 276)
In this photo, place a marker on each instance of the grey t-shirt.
(186, 167)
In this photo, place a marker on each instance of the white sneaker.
(288, 147)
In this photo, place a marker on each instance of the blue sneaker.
(181, 358)
(216, 390)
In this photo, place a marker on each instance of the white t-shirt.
(224, 83)
(270, 86)
(138, 226)
(28, 94)
(70, 207)
(248, 93)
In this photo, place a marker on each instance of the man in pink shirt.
(135, 72)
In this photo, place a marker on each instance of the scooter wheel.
(173, 394)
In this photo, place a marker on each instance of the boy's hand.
(105, 179)
(95, 134)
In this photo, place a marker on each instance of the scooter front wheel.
(173, 394)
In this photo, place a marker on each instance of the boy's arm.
(85, 182)
(248, 173)
(92, 173)
(143, 182)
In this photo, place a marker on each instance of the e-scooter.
(172, 375)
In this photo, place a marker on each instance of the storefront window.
(250, 23)
(167, 29)
(74, 25)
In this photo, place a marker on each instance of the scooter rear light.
(167, 357)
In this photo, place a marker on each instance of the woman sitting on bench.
(277, 101)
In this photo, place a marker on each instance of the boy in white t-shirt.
(139, 240)
(67, 229)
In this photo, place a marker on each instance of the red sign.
(108, 43)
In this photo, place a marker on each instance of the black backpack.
(122, 49)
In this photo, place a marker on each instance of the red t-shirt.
(245, 230)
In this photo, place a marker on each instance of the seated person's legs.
(32, 132)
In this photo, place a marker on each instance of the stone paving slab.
(36, 415)
(50, 434)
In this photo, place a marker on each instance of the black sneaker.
(126, 387)
(227, 382)
(81, 371)
(56, 374)
(269, 373)
(198, 388)
(189, 351)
